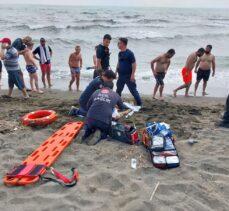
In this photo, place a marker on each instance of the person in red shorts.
(187, 71)
(45, 53)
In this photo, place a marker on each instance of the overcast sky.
(154, 3)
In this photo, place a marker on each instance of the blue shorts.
(14, 79)
(31, 69)
(75, 70)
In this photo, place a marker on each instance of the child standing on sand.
(31, 67)
(75, 63)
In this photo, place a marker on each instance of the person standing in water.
(187, 71)
(160, 66)
(75, 63)
(31, 67)
(205, 64)
(103, 56)
(45, 53)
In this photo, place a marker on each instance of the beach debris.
(154, 191)
(192, 141)
(133, 163)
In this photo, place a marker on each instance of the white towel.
(132, 107)
(44, 57)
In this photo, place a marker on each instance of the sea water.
(151, 32)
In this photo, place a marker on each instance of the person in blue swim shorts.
(31, 67)
(75, 63)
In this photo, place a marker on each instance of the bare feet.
(69, 88)
(174, 93)
(50, 85)
(40, 92)
(26, 97)
(204, 94)
(161, 98)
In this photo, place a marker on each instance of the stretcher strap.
(61, 179)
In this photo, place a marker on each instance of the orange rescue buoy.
(39, 118)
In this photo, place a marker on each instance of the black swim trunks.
(203, 74)
(0, 66)
(159, 78)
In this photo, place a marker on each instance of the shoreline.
(145, 88)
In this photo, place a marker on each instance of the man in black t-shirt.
(45, 53)
(102, 56)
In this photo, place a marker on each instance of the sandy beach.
(107, 181)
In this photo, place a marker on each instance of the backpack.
(124, 133)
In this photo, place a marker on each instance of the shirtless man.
(187, 71)
(160, 69)
(75, 63)
(31, 67)
(205, 63)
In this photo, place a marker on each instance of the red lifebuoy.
(39, 118)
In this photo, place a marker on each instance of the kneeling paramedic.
(99, 115)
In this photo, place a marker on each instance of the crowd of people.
(10, 52)
(202, 61)
(98, 99)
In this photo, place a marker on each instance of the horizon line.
(77, 5)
